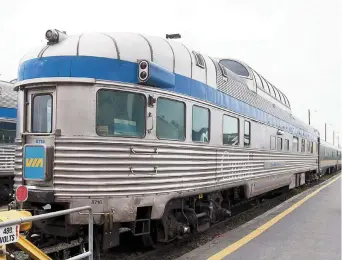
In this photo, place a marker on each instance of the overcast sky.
(295, 44)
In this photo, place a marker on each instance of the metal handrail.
(90, 251)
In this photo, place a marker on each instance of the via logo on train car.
(34, 162)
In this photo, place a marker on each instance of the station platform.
(305, 227)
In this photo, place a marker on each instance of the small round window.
(235, 67)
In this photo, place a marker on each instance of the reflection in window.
(7, 132)
(235, 67)
(280, 144)
(42, 113)
(200, 124)
(230, 130)
(273, 143)
(295, 144)
(170, 119)
(287, 145)
(247, 136)
(120, 113)
(303, 146)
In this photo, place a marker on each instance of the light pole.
(309, 114)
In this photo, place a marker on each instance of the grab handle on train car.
(149, 123)
(135, 152)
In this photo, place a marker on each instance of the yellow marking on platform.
(235, 246)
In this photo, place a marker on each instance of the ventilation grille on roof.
(199, 60)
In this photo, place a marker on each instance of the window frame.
(234, 61)
(192, 124)
(33, 96)
(238, 124)
(185, 120)
(281, 139)
(301, 145)
(244, 131)
(298, 145)
(288, 145)
(275, 142)
(123, 136)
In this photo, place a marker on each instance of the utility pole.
(333, 137)
(309, 115)
(325, 131)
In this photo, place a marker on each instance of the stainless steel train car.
(329, 158)
(8, 103)
(157, 138)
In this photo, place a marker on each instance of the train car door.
(39, 134)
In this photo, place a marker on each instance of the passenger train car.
(157, 138)
(8, 103)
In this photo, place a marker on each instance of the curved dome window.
(235, 67)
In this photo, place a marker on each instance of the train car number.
(9, 234)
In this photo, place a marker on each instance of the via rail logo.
(34, 163)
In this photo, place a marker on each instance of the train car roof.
(114, 57)
(327, 144)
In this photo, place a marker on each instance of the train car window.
(303, 146)
(247, 134)
(42, 113)
(7, 132)
(120, 113)
(200, 62)
(308, 144)
(279, 144)
(312, 147)
(200, 124)
(235, 67)
(223, 70)
(295, 144)
(287, 145)
(273, 143)
(170, 119)
(230, 130)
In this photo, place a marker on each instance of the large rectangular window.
(295, 143)
(303, 146)
(42, 113)
(7, 132)
(170, 119)
(200, 124)
(280, 144)
(230, 130)
(247, 135)
(273, 143)
(120, 113)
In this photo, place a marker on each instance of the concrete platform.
(305, 227)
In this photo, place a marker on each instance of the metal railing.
(90, 251)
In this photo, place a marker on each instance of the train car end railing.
(17, 218)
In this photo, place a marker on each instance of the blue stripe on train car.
(8, 112)
(125, 71)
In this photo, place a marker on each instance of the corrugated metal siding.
(6, 160)
(99, 167)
